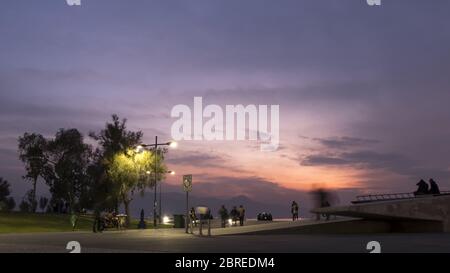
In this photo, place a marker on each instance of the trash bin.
(178, 221)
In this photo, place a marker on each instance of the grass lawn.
(18, 222)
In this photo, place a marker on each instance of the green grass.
(18, 222)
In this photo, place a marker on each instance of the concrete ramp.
(339, 226)
(419, 214)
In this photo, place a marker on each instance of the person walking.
(294, 210)
(73, 220)
(99, 222)
(193, 217)
(223, 212)
(241, 213)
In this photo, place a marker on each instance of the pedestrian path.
(268, 227)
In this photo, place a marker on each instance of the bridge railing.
(391, 196)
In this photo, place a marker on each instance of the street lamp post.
(160, 199)
(155, 171)
(160, 183)
(156, 181)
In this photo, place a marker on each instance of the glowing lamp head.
(173, 144)
(139, 148)
(166, 220)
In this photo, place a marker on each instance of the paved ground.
(175, 240)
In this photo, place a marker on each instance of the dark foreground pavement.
(171, 240)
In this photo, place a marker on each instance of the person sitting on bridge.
(422, 189)
(434, 188)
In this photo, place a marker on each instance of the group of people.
(103, 220)
(425, 189)
(235, 215)
(238, 213)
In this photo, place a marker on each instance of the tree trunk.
(34, 204)
(127, 212)
(116, 205)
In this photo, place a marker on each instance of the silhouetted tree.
(24, 206)
(68, 179)
(6, 203)
(113, 139)
(28, 202)
(10, 204)
(43, 201)
(128, 172)
(32, 153)
(100, 195)
(4, 189)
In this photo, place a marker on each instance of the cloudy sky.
(363, 91)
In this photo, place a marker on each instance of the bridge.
(398, 212)
(390, 197)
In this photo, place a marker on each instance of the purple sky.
(363, 91)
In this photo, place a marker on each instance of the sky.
(363, 91)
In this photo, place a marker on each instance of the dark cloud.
(345, 142)
(320, 160)
(371, 160)
(253, 187)
(33, 111)
(8, 152)
(366, 159)
(198, 159)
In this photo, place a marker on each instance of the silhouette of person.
(241, 212)
(434, 188)
(193, 216)
(223, 212)
(294, 210)
(234, 215)
(142, 224)
(325, 204)
(422, 189)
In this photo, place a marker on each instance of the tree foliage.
(4, 189)
(80, 177)
(7, 203)
(68, 178)
(43, 202)
(32, 149)
(114, 139)
(131, 172)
